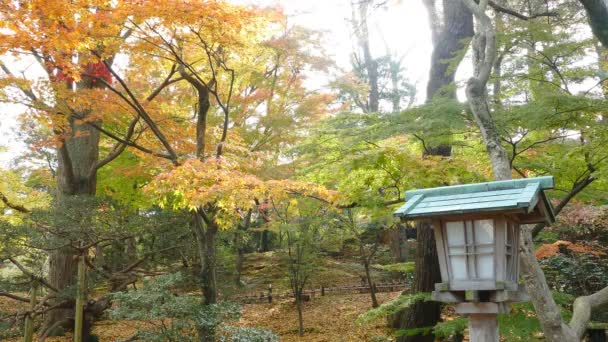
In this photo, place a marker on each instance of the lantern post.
(476, 228)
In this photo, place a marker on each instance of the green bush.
(175, 317)
(576, 274)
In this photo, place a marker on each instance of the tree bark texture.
(76, 175)
(597, 13)
(422, 314)
(300, 316)
(484, 56)
(205, 241)
(450, 39)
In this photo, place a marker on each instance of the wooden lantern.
(476, 230)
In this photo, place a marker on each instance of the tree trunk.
(205, 240)
(422, 314)
(597, 13)
(240, 248)
(300, 316)
(369, 63)
(478, 100)
(265, 241)
(76, 175)
(450, 40)
(208, 272)
(80, 300)
(368, 275)
(240, 257)
(28, 326)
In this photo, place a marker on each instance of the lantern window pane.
(483, 231)
(459, 267)
(471, 249)
(511, 252)
(457, 249)
(455, 231)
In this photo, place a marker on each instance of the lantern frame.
(504, 262)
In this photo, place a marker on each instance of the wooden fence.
(268, 296)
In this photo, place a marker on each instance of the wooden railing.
(268, 296)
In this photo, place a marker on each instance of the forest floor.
(329, 318)
(326, 318)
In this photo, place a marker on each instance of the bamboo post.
(28, 333)
(80, 298)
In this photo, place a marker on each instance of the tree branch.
(18, 207)
(32, 275)
(583, 308)
(15, 297)
(118, 148)
(142, 112)
(518, 15)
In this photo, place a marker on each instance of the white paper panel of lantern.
(457, 249)
(483, 248)
(471, 249)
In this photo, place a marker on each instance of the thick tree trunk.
(547, 310)
(548, 313)
(205, 240)
(450, 40)
(597, 13)
(265, 241)
(478, 100)
(208, 272)
(76, 175)
(422, 314)
(201, 121)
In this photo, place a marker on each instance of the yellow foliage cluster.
(220, 184)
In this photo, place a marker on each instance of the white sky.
(403, 26)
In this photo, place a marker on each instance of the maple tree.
(83, 87)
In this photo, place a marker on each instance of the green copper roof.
(518, 194)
